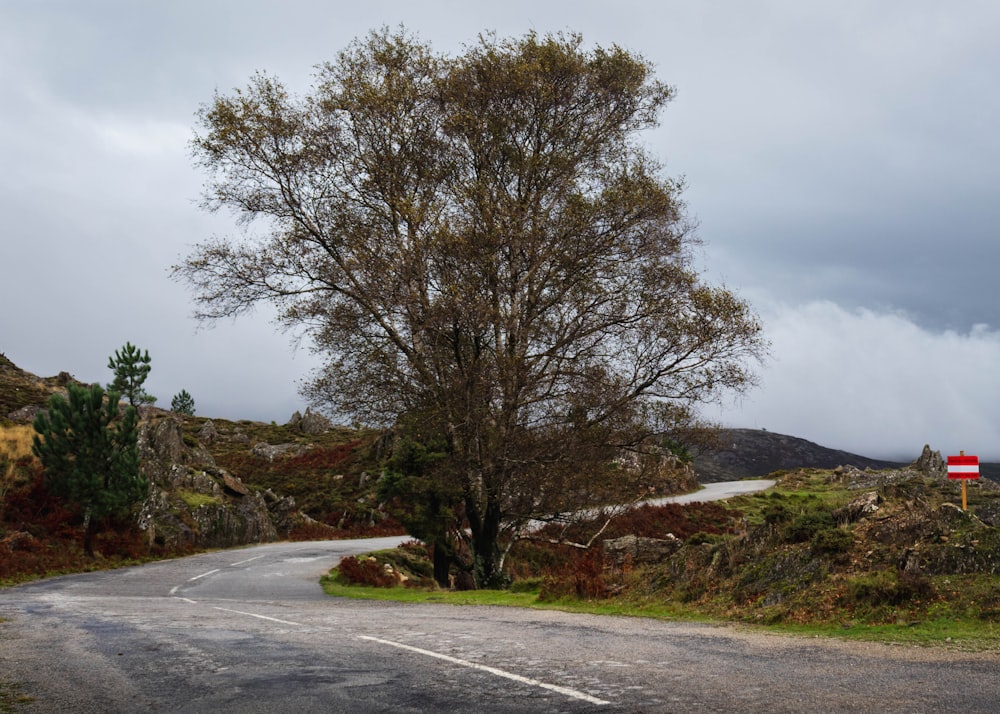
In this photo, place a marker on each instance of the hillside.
(749, 453)
(213, 484)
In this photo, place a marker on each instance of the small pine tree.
(90, 455)
(131, 367)
(182, 403)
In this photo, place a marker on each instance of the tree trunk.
(442, 564)
(486, 548)
(88, 534)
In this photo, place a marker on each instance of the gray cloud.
(842, 160)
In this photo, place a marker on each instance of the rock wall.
(194, 503)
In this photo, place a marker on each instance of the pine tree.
(182, 403)
(131, 367)
(90, 455)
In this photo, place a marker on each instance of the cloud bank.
(875, 383)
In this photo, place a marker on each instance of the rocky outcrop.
(863, 506)
(193, 503)
(930, 463)
(208, 433)
(636, 550)
(310, 422)
(269, 452)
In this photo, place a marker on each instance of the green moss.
(194, 500)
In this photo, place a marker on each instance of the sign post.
(963, 467)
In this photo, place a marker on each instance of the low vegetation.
(327, 474)
(874, 555)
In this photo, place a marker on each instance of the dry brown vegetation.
(917, 568)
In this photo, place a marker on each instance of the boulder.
(208, 434)
(271, 451)
(861, 507)
(234, 485)
(931, 463)
(310, 422)
(638, 550)
(194, 503)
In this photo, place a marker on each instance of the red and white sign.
(963, 467)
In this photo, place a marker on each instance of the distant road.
(251, 631)
(718, 491)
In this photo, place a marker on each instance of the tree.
(90, 455)
(182, 403)
(131, 367)
(424, 502)
(479, 243)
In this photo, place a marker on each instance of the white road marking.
(575, 694)
(203, 575)
(262, 617)
(185, 599)
(244, 562)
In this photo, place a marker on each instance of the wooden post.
(965, 504)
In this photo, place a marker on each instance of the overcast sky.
(843, 162)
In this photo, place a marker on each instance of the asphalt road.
(250, 630)
(718, 491)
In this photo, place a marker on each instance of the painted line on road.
(575, 694)
(262, 617)
(175, 588)
(244, 562)
(203, 575)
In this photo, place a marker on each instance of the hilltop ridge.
(750, 453)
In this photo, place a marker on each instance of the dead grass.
(15, 440)
(15, 450)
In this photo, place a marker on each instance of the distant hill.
(746, 453)
(741, 453)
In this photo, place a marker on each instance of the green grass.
(956, 634)
(950, 630)
(419, 595)
(194, 500)
(11, 697)
(10, 692)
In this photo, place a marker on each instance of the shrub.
(775, 514)
(582, 578)
(888, 587)
(366, 571)
(831, 542)
(806, 525)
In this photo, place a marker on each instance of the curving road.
(718, 491)
(251, 631)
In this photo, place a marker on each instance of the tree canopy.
(485, 254)
(182, 403)
(131, 367)
(90, 455)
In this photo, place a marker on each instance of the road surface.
(250, 630)
(718, 491)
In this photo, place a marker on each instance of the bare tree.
(481, 244)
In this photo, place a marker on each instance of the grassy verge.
(966, 634)
(954, 632)
(11, 697)
(11, 694)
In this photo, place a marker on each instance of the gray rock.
(861, 507)
(208, 434)
(931, 463)
(310, 422)
(271, 451)
(192, 502)
(639, 550)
